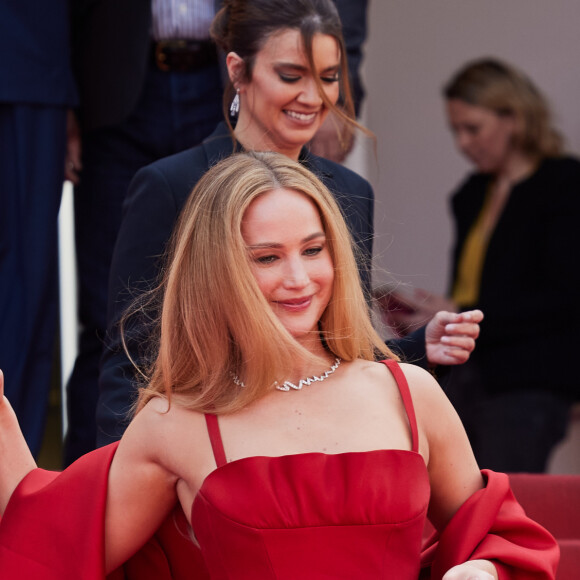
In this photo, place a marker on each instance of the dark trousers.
(513, 431)
(175, 111)
(32, 145)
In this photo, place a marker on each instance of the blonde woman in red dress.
(268, 424)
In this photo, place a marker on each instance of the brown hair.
(502, 88)
(215, 322)
(243, 27)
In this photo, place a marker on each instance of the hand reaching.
(472, 570)
(16, 461)
(450, 337)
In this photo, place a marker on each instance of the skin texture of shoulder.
(453, 471)
(164, 455)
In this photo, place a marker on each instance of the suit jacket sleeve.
(359, 215)
(411, 348)
(150, 213)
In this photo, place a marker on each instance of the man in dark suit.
(36, 88)
(144, 96)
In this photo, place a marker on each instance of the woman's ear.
(515, 125)
(236, 68)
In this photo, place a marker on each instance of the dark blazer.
(530, 279)
(34, 44)
(154, 201)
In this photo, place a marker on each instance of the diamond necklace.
(287, 385)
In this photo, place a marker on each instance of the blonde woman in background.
(516, 248)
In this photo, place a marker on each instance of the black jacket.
(530, 279)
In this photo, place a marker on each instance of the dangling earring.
(235, 106)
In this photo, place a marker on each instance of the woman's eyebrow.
(304, 68)
(307, 239)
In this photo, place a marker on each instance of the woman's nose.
(310, 94)
(296, 275)
(462, 140)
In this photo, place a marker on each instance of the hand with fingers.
(450, 336)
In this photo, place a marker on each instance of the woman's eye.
(265, 259)
(329, 79)
(289, 78)
(313, 251)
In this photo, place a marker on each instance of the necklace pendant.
(290, 385)
(287, 385)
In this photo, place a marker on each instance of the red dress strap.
(215, 437)
(407, 401)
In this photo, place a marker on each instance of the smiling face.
(482, 135)
(290, 259)
(280, 106)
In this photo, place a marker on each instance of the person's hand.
(472, 570)
(72, 161)
(450, 336)
(16, 461)
(334, 140)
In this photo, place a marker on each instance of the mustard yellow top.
(469, 268)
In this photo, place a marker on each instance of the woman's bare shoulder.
(431, 405)
(160, 412)
(166, 432)
(421, 383)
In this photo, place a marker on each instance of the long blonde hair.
(500, 87)
(215, 323)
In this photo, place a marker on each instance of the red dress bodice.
(313, 516)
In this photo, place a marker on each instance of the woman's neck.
(303, 370)
(312, 342)
(517, 167)
(253, 138)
